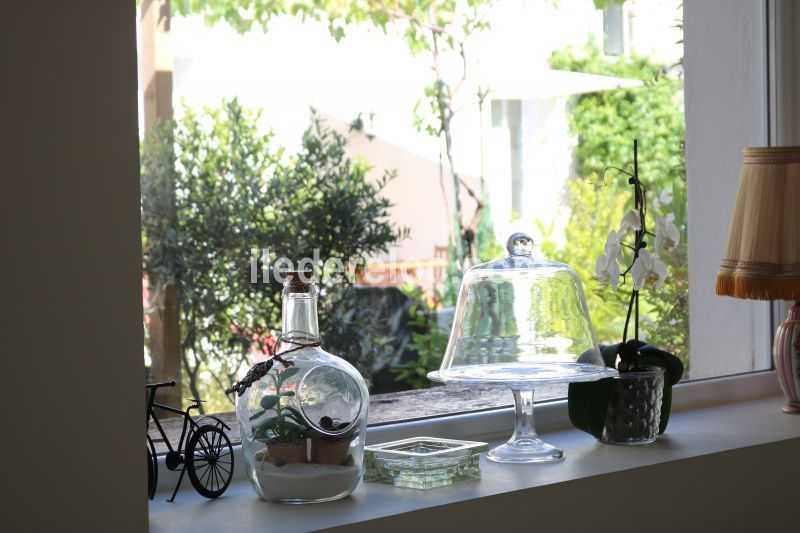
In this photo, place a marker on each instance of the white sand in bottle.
(305, 481)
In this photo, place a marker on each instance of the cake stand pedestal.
(525, 446)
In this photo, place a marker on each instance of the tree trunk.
(156, 78)
(156, 62)
(165, 342)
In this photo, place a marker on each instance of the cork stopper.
(298, 280)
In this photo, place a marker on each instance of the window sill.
(486, 412)
(697, 440)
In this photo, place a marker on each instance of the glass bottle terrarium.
(522, 321)
(303, 421)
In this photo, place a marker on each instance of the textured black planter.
(627, 410)
(634, 407)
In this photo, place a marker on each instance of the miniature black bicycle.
(207, 456)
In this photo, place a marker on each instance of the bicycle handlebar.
(159, 385)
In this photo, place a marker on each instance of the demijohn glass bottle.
(302, 414)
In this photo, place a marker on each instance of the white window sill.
(698, 433)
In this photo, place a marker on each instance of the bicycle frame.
(179, 457)
(188, 423)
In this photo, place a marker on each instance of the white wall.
(419, 201)
(71, 348)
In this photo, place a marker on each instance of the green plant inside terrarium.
(284, 424)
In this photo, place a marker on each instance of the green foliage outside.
(428, 339)
(438, 29)
(233, 191)
(488, 247)
(605, 125)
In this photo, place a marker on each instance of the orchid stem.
(628, 317)
(633, 304)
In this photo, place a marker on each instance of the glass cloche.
(522, 321)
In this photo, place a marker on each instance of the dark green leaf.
(257, 415)
(269, 401)
(267, 423)
(287, 373)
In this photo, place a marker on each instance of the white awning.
(540, 84)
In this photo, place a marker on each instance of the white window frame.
(727, 109)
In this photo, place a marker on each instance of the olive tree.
(235, 191)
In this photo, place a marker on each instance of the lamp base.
(786, 351)
(791, 408)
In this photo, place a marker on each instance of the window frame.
(726, 45)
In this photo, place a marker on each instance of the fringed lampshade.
(762, 259)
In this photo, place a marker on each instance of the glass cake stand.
(521, 321)
(524, 446)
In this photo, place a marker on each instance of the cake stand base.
(525, 446)
(526, 451)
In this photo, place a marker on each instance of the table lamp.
(762, 258)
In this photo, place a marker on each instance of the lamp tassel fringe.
(753, 288)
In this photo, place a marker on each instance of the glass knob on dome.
(520, 244)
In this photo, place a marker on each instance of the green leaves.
(295, 415)
(269, 401)
(214, 187)
(427, 339)
(286, 374)
(267, 423)
(605, 124)
(257, 415)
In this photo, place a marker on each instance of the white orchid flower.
(648, 270)
(665, 197)
(631, 220)
(656, 204)
(613, 246)
(607, 269)
(667, 235)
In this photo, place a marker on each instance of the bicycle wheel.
(209, 461)
(152, 469)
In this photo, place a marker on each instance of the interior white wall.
(72, 448)
(726, 110)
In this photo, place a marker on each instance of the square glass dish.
(423, 462)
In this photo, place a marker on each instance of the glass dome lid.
(521, 321)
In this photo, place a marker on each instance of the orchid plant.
(645, 267)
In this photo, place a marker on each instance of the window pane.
(276, 114)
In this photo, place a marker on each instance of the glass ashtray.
(423, 462)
